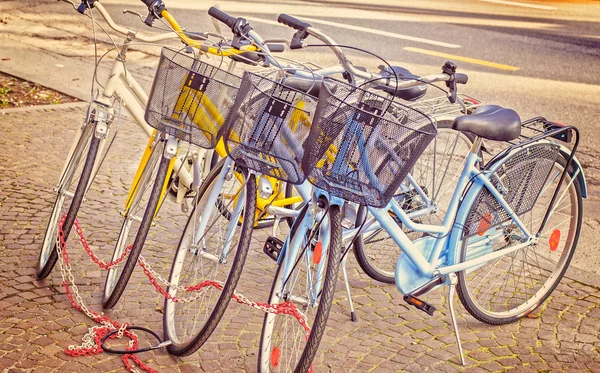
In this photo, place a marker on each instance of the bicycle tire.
(266, 352)
(374, 268)
(48, 254)
(289, 192)
(465, 294)
(126, 232)
(198, 338)
(111, 300)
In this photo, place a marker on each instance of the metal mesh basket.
(521, 180)
(362, 145)
(190, 99)
(267, 127)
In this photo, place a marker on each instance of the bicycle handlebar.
(461, 78)
(125, 31)
(304, 29)
(293, 22)
(223, 17)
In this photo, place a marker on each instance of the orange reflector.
(484, 224)
(554, 239)
(318, 252)
(275, 354)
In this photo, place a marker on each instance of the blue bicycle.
(505, 242)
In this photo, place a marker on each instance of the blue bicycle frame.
(440, 254)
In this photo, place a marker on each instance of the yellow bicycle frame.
(209, 122)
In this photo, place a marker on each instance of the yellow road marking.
(463, 59)
(524, 5)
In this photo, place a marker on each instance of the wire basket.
(362, 145)
(190, 99)
(268, 124)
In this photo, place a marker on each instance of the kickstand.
(345, 273)
(451, 291)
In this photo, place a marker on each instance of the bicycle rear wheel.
(505, 289)
(73, 183)
(283, 343)
(436, 172)
(217, 255)
(145, 200)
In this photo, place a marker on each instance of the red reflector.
(484, 224)
(318, 252)
(275, 354)
(471, 100)
(554, 240)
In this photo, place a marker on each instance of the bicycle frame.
(445, 243)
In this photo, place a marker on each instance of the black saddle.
(306, 85)
(407, 94)
(491, 122)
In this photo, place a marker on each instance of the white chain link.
(67, 276)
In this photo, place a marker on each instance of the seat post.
(476, 145)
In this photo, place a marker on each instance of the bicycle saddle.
(491, 122)
(407, 94)
(305, 84)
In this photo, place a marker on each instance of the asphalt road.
(537, 61)
(537, 57)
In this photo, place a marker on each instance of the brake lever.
(450, 69)
(132, 12)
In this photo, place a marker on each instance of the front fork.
(298, 241)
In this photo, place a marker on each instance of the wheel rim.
(67, 184)
(517, 283)
(201, 258)
(284, 338)
(131, 222)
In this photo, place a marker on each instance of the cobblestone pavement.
(37, 322)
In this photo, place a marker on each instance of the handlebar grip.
(276, 48)
(292, 22)
(461, 78)
(222, 16)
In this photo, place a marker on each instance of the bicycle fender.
(454, 244)
(566, 152)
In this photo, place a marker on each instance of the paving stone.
(37, 322)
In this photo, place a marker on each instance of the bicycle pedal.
(272, 247)
(419, 304)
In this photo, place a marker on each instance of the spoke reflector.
(554, 239)
(275, 354)
(318, 252)
(484, 224)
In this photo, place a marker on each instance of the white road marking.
(524, 5)
(363, 29)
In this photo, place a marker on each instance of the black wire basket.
(190, 99)
(362, 145)
(268, 125)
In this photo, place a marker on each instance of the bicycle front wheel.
(135, 227)
(212, 251)
(71, 190)
(507, 288)
(310, 286)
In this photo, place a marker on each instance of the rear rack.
(540, 128)
(438, 106)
